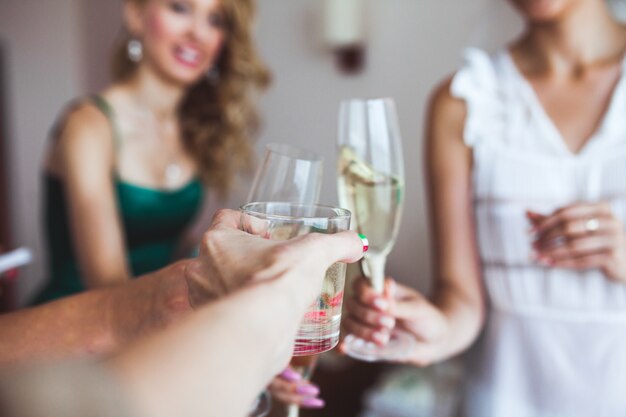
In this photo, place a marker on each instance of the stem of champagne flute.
(375, 271)
(305, 365)
(293, 410)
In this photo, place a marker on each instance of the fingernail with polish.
(366, 243)
(308, 390)
(381, 337)
(387, 321)
(290, 375)
(381, 304)
(313, 403)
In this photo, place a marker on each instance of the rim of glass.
(367, 100)
(337, 213)
(292, 151)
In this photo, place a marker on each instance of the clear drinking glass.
(288, 174)
(319, 329)
(371, 185)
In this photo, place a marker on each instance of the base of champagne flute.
(396, 349)
(262, 405)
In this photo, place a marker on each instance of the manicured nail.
(381, 338)
(366, 243)
(290, 375)
(381, 304)
(308, 390)
(312, 403)
(386, 321)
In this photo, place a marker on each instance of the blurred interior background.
(52, 51)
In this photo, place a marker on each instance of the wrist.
(149, 303)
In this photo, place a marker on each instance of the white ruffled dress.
(554, 344)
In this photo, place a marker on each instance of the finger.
(369, 316)
(308, 401)
(226, 218)
(353, 327)
(293, 389)
(534, 217)
(578, 247)
(254, 225)
(597, 260)
(290, 375)
(364, 292)
(574, 229)
(400, 291)
(573, 212)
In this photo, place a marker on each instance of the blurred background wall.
(56, 50)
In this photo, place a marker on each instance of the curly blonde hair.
(218, 118)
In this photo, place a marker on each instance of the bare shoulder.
(85, 123)
(82, 134)
(446, 113)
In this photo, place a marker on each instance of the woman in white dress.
(526, 156)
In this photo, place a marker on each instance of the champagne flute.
(371, 185)
(289, 174)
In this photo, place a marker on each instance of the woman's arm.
(219, 359)
(83, 157)
(458, 288)
(95, 322)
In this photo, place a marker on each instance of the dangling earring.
(135, 50)
(213, 75)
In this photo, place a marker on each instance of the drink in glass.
(319, 329)
(370, 184)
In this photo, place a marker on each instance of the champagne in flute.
(371, 186)
(375, 200)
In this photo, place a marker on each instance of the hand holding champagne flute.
(371, 186)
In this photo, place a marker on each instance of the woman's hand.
(581, 236)
(373, 317)
(230, 258)
(289, 387)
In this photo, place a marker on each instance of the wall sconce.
(344, 33)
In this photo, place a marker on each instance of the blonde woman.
(127, 169)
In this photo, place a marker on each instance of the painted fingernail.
(387, 321)
(382, 338)
(308, 390)
(290, 375)
(381, 304)
(313, 403)
(366, 243)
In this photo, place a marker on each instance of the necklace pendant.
(172, 174)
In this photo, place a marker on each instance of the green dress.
(153, 221)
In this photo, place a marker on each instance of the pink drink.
(319, 330)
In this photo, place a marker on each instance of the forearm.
(465, 315)
(95, 322)
(215, 367)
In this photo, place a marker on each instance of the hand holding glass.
(319, 329)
